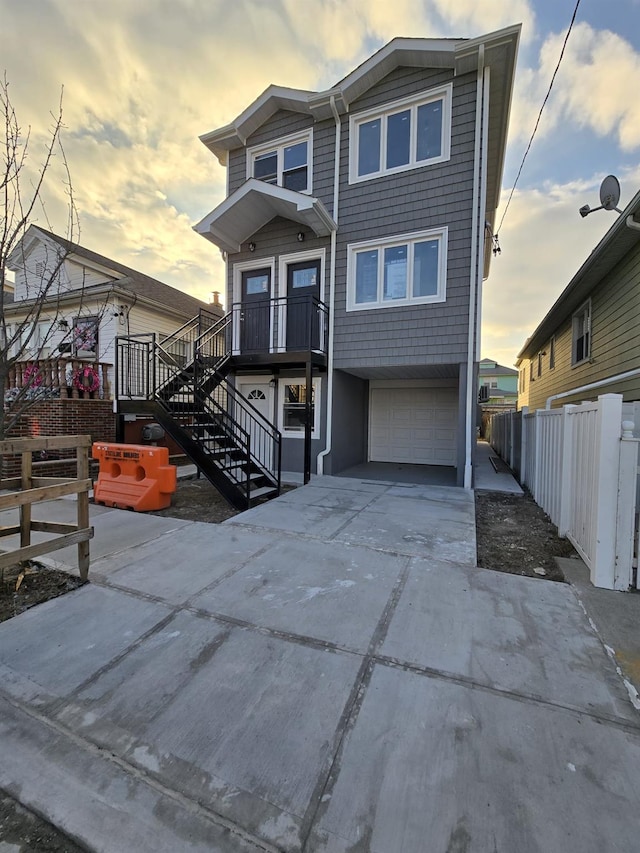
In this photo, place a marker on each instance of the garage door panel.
(413, 425)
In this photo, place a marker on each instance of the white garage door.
(416, 425)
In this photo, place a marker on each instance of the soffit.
(254, 204)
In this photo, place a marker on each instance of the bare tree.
(26, 335)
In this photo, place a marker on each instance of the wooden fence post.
(25, 509)
(82, 473)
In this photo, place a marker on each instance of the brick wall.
(62, 417)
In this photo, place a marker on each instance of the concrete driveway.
(327, 672)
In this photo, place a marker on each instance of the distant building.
(501, 382)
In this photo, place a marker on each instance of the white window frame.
(278, 145)
(440, 234)
(238, 269)
(443, 93)
(299, 380)
(283, 263)
(583, 310)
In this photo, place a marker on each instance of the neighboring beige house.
(92, 300)
(588, 343)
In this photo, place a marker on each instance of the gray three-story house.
(356, 232)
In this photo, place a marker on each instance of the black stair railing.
(184, 374)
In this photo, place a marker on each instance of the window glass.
(294, 175)
(294, 406)
(85, 335)
(398, 139)
(367, 276)
(395, 273)
(425, 268)
(256, 284)
(304, 277)
(429, 131)
(265, 167)
(369, 147)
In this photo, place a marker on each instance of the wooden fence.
(27, 490)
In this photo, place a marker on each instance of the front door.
(260, 395)
(255, 313)
(303, 321)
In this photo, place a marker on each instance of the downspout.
(476, 227)
(332, 283)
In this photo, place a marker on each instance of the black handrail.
(283, 324)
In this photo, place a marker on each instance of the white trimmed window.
(402, 270)
(407, 134)
(581, 344)
(286, 162)
(292, 399)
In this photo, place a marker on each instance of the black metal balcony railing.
(281, 325)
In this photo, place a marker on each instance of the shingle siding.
(427, 197)
(420, 199)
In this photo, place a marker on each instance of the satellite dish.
(610, 193)
(609, 197)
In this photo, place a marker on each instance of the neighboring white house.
(89, 299)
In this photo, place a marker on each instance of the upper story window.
(402, 270)
(552, 353)
(286, 162)
(404, 135)
(581, 343)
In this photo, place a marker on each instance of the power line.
(546, 98)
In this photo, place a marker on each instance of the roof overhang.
(616, 243)
(460, 55)
(254, 204)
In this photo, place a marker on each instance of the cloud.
(592, 89)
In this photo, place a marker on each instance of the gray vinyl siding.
(278, 237)
(423, 198)
(281, 124)
(349, 432)
(615, 343)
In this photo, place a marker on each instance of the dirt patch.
(198, 500)
(19, 592)
(28, 832)
(514, 535)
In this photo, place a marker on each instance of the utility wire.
(546, 98)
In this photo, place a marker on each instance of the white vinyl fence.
(580, 464)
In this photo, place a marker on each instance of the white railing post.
(567, 480)
(606, 491)
(626, 508)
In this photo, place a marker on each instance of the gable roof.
(623, 236)
(490, 367)
(254, 204)
(497, 50)
(137, 283)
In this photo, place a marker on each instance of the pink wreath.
(32, 375)
(86, 379)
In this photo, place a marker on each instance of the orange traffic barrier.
(134, 476)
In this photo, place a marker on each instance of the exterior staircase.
(181, 382)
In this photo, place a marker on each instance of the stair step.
(262, 492)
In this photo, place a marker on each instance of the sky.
(143, 79)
